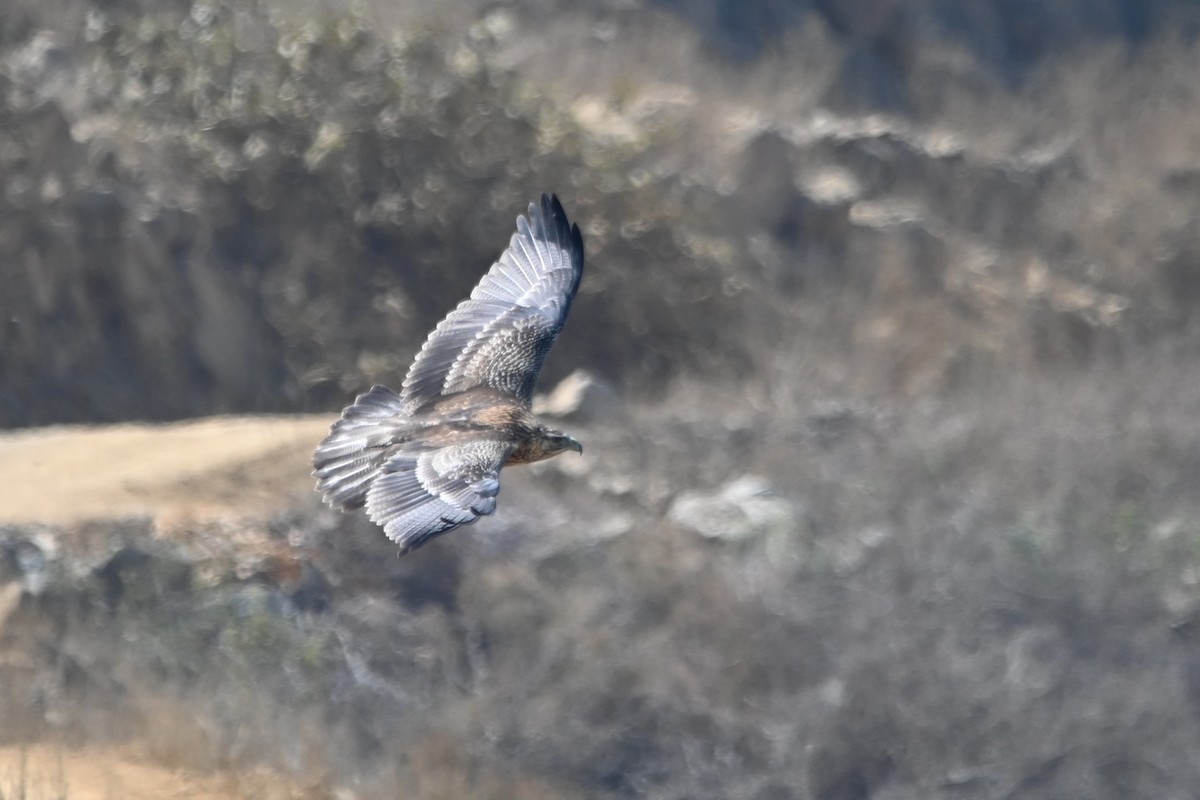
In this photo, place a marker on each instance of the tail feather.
(347, 461)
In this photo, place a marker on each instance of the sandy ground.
(240, 465)
(48, 772)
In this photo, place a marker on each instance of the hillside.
(898, 496)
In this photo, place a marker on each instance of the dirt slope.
(101, 773)
(64, 475)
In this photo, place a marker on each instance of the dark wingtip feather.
(576, 240)
(566, 233)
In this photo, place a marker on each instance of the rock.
(27, 558)
(579, 397)
(744, 508)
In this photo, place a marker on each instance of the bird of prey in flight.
(428, 459)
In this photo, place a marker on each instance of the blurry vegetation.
(269, 213)
(972, 597)
(904, 501)
(220, 206)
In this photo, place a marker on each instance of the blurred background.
(890, 399)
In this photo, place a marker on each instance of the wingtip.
(549, 206)
(577, 239)
(553, 217)
(548, 211)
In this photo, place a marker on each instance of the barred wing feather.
(500, 336)
(420, 494)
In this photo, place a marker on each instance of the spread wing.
(421, 493)
(500, 336)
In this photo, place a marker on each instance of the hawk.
(427, 459)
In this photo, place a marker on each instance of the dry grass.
(965, 587)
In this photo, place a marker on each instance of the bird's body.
(427, 459)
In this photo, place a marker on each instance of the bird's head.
(556, 442)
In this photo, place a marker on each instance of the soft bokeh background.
(891, 413)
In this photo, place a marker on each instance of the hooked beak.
(572, 444)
